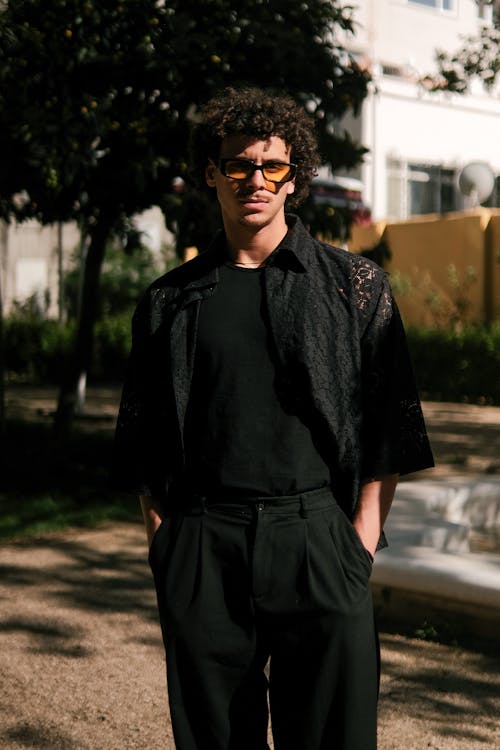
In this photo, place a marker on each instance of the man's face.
(254, 202)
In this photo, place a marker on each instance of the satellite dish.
(476, 181)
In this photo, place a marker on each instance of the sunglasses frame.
(221, 165)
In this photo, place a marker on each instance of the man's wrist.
(151, 515)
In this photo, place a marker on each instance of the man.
(268, 411)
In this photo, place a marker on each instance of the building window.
(494, 200)
(414, 189)
(431, 189)
(446, 5)
(394, 71)
(485, 11)
(420, 189)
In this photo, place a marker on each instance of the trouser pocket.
(158, 546)
(348, 540)
(310, 565)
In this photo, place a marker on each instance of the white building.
(33, 258)
(419, 141)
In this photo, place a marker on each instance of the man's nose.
(257, 178)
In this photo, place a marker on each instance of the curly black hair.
(260, 115)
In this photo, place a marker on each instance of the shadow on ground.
(81, 656)
(444, 692)
(76, 575)
(82, 660)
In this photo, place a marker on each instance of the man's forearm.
(375, 500)
(152, 516)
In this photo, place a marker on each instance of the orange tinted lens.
(238, 170)
(276, 171)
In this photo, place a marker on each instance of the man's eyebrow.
(252, 161)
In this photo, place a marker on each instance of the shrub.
(35, 348)
(457, 365)
(450, 365)
(125, 274)
(111, 347)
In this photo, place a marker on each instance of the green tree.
(80, 126)
(96, 101)
(479, 58)
(125, 273)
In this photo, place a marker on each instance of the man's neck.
(249, 245)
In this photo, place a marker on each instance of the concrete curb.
(429, 558)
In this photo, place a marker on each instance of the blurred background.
(96, 198)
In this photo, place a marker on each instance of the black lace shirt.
(342, 359)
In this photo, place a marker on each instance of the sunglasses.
(243, 169)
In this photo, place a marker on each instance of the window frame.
(401, 173)
(438, 5)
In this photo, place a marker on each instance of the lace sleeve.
(393, 429)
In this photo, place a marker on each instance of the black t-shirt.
(241, 438)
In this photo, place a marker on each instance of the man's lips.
(253, 200)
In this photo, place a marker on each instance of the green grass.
(46, 487)
(34, 515)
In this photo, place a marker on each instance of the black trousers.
(278, 579)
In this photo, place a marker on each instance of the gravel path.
(81, 659)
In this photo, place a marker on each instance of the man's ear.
(290, 187)
(210, 174)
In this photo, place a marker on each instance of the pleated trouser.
(278, 581)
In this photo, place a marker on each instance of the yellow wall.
(493, 263)
(443, 269)
(363, 238)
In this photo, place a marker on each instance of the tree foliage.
(96, 100)
(80, 110)
(478, 58)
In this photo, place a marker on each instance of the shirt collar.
(295, 245)
(293, 250)
(207, 264)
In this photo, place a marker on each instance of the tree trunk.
(79, 360)
(3, 245)
(60, 273)
(2, 363)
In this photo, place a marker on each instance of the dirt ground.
(81, 659)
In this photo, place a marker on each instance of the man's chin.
(257, 219)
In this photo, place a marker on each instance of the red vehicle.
(342, 192)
